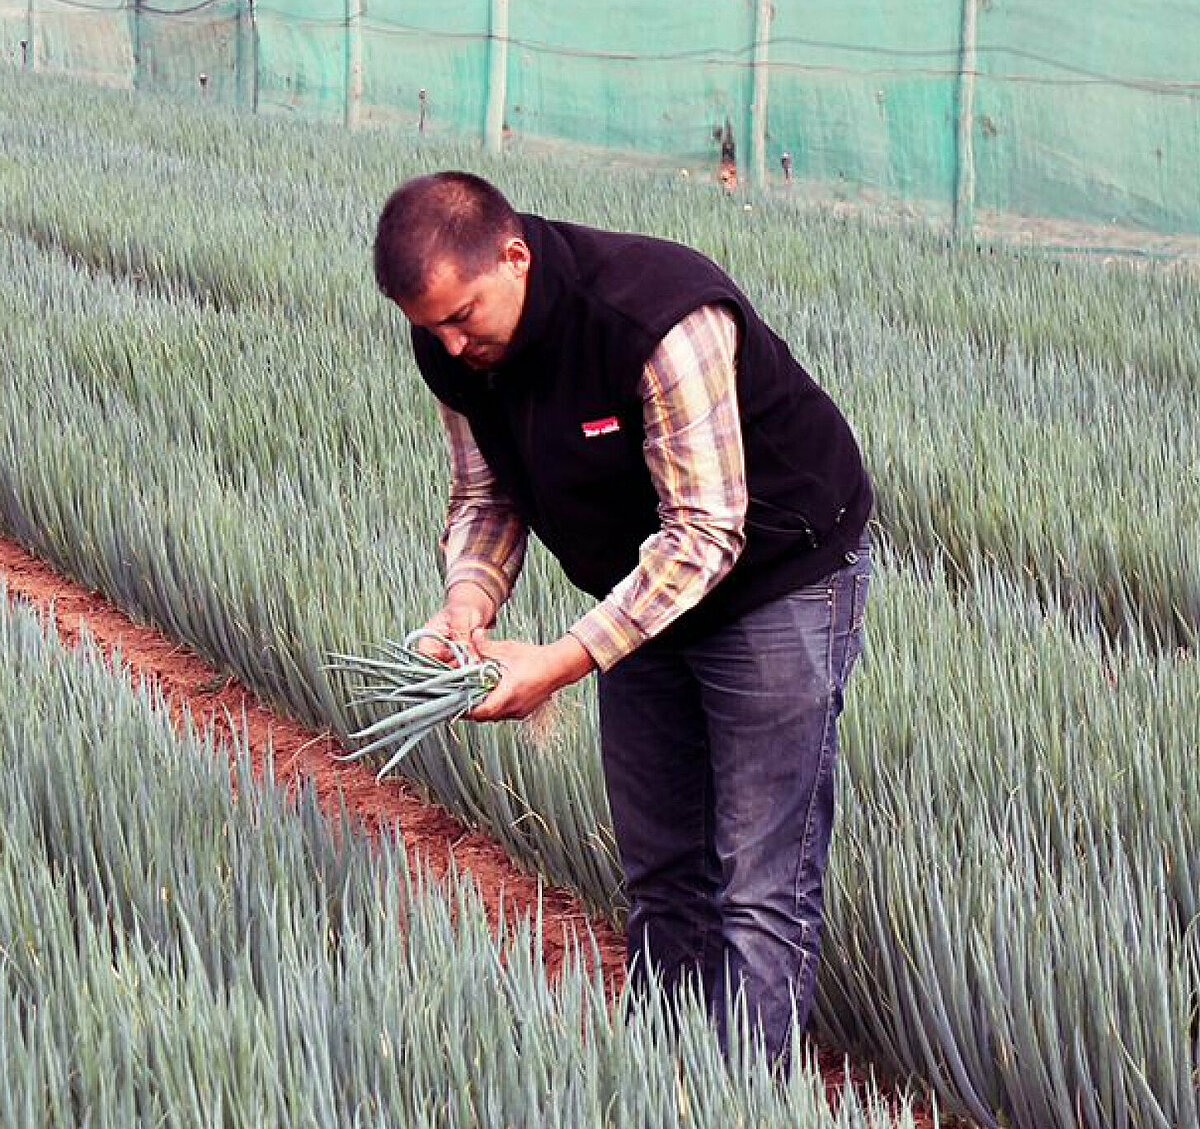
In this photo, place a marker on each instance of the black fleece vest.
(560, 420)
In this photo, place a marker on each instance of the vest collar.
(552, 270)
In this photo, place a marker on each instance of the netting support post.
(964, 151)
(29, 46)
(246, 63)
(758, 102)
(135, 36)
(355, 10)
(497, 80)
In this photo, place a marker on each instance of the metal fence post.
(245, 64)
(497, 81)
(758, 104)
(29, 46)
(964, 154)
(255, 58)
(355, 9)
(135, 33)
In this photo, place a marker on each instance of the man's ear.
(516, 255)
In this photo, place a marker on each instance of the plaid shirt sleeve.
(694, 453)
(484, 539)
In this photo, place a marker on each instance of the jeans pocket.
(862, 587)
(854, 636)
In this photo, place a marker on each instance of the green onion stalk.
(419, 690)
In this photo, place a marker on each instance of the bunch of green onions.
(420, 692)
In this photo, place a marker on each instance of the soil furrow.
(302, 756)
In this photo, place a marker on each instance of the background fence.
(1085, 110)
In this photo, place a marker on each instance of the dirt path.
(302, 756)
(431, 835)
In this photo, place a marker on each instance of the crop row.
(982, 384)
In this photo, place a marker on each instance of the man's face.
(474, 318)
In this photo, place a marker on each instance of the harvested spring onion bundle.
(422, 691)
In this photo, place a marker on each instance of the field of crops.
(178, 953)
(207, 413)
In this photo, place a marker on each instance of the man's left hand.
(531, 673)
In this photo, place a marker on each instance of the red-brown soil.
(434, 839)
(301, 756)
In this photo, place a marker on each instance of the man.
(619, 396)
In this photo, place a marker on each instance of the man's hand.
(467, 609)
(530, 673)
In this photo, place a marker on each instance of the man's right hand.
(467, 607)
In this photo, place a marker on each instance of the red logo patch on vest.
(601, 427)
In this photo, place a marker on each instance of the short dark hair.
(454, 216)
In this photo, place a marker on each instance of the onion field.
(178, 952)
(208, 414)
